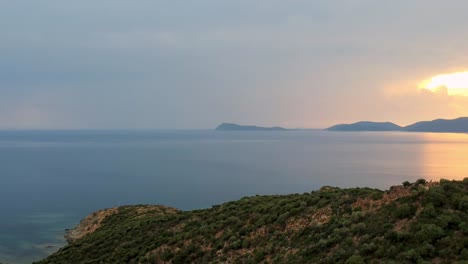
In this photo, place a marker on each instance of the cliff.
(411, 223)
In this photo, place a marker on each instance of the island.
(418, 222)
(236, 127)
(366, 126)
(458, 125)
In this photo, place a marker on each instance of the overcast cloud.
(193, 64)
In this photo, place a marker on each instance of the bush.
(355, 260)
(421, 182)
(412, 255)
(463, 226)
(282, 218)
(259, 255)
(464, 254)
(429, 211)
(403, 211)
(426, 250)
(429, 232)
(436, 196)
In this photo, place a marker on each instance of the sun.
(456, 83)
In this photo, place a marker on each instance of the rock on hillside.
(93, 221)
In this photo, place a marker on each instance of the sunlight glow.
(455, 83)
(445, 155)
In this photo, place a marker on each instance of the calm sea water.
(49, 180)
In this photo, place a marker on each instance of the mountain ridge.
(366, 126)
(457, 125)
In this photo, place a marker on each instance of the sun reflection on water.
(445, 156)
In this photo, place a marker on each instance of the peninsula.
(419, 222)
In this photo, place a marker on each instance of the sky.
(150, 64)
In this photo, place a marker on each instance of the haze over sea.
(52, 179)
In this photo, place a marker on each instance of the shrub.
(421, 182)
(429, 211)
(355, 260)
(403, 211)
(282, 218)
(429, 232)
(259, 255)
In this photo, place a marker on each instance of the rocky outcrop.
(93, 221)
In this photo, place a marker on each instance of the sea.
(50, 180)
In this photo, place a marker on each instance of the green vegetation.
(418, 222)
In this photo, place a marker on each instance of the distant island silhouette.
(236, 127)
(458, 125)
(366, 126)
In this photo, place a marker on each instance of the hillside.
(411, 223)
(366, 126)
(458, 125)
(440, 125)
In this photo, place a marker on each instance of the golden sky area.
(456, 83)
(421, 95)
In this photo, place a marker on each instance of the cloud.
(424, 104)
(193, 64)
